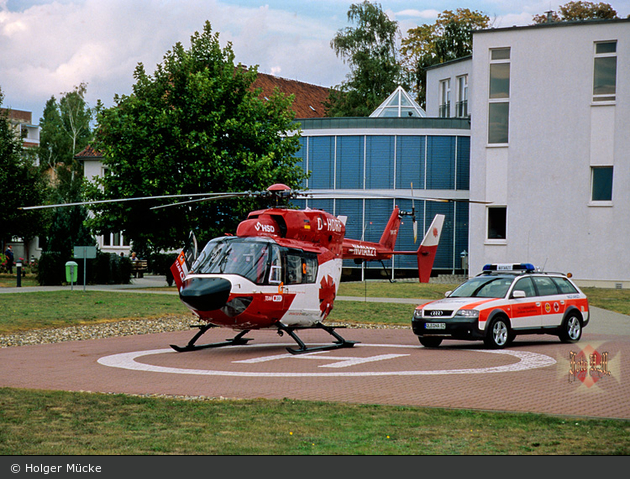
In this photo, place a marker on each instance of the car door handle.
(537, 303)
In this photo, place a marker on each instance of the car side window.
(565, 286)
(525, 284)
(545, 286)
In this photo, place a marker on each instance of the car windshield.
(483, 287)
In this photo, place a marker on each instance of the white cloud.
(47, 49)
(421, 14)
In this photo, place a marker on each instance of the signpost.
(85, 252)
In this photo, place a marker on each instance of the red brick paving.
(398, 380)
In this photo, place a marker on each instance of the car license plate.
(434, 325)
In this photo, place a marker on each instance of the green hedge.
(107, 268)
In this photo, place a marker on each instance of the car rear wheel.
(571, 329)
(430, 342)
(499, 335)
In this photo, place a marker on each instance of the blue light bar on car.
(509, 267)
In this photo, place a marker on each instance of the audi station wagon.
(504, 301)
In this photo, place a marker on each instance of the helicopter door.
(300, 280)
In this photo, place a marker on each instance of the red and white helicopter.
(281, 270)
(283, 267)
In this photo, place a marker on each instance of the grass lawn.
(64, 423)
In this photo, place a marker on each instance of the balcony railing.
(461, 109)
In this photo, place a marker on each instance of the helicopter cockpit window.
(301, 267)
(251, 259)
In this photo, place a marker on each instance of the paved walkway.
(387, 366)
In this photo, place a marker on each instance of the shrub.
(160, 263)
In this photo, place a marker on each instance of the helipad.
(387, 366)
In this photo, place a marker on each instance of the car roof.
(514, 269)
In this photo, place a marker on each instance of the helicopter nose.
(206, 294)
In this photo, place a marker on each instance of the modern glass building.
(389, 155)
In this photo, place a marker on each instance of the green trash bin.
(72, 272)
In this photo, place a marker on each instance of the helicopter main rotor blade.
(366, 194)
(217, 197)
(123, 200)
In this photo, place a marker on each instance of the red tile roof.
(88, 152)
(309, 99)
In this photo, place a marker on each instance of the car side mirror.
(519, 293)
(447, 294)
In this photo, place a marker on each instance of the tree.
(574, 11)
(65, 131)
(21, 184)
(370, 51)
(196, 125)
(450, 37)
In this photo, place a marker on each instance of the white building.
(448, 84)
(550, 147)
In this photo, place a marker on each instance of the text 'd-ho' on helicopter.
(282, 268)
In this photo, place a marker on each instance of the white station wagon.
(503, 301)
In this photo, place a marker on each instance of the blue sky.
(48, 47)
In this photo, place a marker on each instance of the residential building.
(550, 108)
(22, 122)
(450, 81)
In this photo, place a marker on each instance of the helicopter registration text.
(331, 224)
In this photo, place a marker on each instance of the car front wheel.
(498, 335)
(571, 329)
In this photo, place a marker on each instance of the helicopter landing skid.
(237, 340)
(340, 343)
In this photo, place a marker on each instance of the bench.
(138, 268)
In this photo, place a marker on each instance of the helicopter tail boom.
(388, 239)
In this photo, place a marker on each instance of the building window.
(497, 223)
(462, 97)
(605, 71)
(499, 96)
(116, 240)
(445, 98)
(601, 183)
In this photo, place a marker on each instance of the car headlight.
(467, 313)
(417, 314)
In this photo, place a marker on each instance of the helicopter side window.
(309, 267)
(294, 269)
(301, 267)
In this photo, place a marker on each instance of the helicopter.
(282, 270)
(282, 267)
